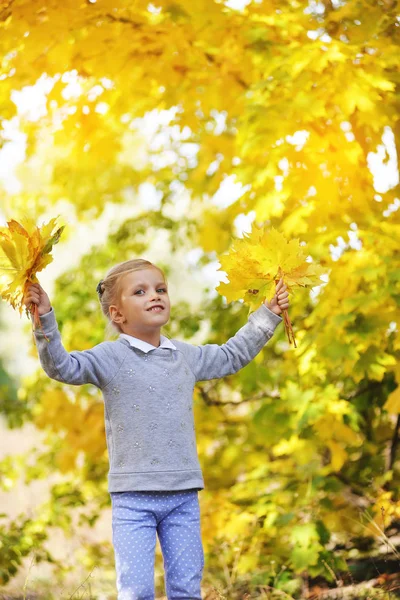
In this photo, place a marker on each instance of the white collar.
(145, 346)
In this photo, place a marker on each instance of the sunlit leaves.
(292, 103)
(25, 249)
(257, 67)
(257, 261)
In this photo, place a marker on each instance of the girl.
(147, 382)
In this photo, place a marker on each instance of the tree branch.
(394, 444)
(205, 394)
(211, 402)
(368, 388)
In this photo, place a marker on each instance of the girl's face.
(140, 291)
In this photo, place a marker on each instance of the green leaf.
(302, 557)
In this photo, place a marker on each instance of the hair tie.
(98, 289)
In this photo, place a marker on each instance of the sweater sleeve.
(211, 361)
(77, 367)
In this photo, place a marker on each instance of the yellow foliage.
(238, 525)
(300, 117)
(392, 403)
(247, 563)
(66, 459)
(216, 511)
(24, 250)
(343, 518)
(255, 263)
(338, 454)
(337, 436)
(385, 510)
(53, 409)
(303, 451)
(330, 427)
(83, 427)
(214, 232)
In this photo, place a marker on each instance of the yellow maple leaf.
(256, 263)
(24, 251)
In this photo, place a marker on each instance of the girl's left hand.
(280, 301)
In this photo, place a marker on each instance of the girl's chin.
(162, 316)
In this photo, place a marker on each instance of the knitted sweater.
(148, 396)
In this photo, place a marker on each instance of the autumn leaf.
(256, 263)
(24, 251)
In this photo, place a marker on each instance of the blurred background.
(162, 131)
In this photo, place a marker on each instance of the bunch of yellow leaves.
(24, 250)
(256, 263)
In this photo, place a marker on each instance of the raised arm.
(211, 361)
(94, 366)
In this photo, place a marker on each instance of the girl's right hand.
(36, 294)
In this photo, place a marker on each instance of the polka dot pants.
(175, 515)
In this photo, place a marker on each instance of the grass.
(384, 587)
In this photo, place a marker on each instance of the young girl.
(147, 382)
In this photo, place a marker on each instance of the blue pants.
(175, 515)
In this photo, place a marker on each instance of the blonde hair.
(109, 289)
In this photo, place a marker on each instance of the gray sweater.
(148, 396)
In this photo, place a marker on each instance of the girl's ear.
(115, 315)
